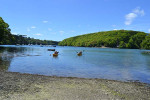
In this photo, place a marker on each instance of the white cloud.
(28, 29)
(139, 11)
(38, 34)
(115, 29)
(149, 30)
(33, 27)
(49, 29)
(15, 33)
(45, 21)
(131, 16)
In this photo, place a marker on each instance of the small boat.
(55, 55)
(41, 45)
(51, 49)
(17, 44)
(79, 54)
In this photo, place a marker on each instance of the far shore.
(16, 86)
(78, 46)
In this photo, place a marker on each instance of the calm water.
(107, 63)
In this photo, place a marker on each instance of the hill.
(116, 38)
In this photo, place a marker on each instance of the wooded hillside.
(116, 38)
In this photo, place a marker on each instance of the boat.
(55, 54)
(17, 44)
(79, 54)
(51, 49)
(41, 45)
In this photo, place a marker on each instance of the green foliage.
(20, 39)
(5, 35)
(122, 44)
(146, 43)
(118, 38)
(136, 40)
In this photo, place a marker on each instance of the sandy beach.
(16, 86)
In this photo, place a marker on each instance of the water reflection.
(5, 58)
(55, 57)
(8, 53)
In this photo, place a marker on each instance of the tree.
(121, 38)
(136, 40)
(146, 43)
(5, 34)
(122, 44)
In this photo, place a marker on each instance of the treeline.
(21, 39)
(116, 38)
(6, 38)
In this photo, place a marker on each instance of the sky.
(61, 19)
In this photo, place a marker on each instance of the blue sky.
(60, 19)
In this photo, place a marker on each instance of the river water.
(106, 63)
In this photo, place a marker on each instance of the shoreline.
(17, 86)
(81, 46)
(70, 77)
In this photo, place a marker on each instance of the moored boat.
(55, 55)
(51, 49)
(80, 53)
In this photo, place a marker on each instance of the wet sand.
(16, 86)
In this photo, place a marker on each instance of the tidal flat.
(16, 86)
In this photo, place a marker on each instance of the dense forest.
(6, 38)
(116, 38)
